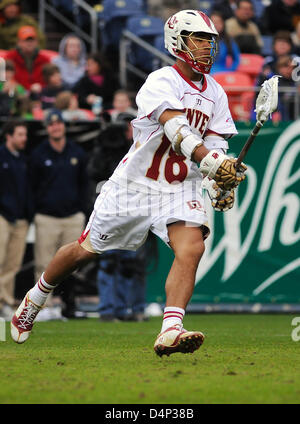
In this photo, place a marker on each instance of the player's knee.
(190, 250)
(79, 255)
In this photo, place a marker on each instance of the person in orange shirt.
(28, 59)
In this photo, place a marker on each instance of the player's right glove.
(222, 169)
(220, 200)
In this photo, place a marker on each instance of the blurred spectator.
(11, 20)
(15, 210)
(296, 39)
(280, 15)
(97, 82)
(28, 59)
(121, 103)
(112, 144)
(59, 182)
(67, 103)
(165, 8)
(121, 285)
(11, 93)
(241, 27)
(121, 275)
(282, 45)
(285, 65)
(225, 7)
(228, 57)
(71, 59)
(31, 109)
(54, 85)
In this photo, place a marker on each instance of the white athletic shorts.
(122, 218)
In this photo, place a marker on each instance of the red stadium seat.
(3, 53)
(51, 54)
(239, 89)
(250, 64)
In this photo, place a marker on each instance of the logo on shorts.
(195, 204)
(103, 236)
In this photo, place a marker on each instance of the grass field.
(245, 359)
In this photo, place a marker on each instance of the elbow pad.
(183, 140)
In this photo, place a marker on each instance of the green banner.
(252, 253)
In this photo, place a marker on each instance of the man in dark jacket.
(59, 182)
(280, 15)
(15, 210)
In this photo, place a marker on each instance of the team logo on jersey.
(74, 161)
(195, 205)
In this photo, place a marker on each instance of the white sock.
(40, 292)
(172, 316)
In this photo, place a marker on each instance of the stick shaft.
(248, 143)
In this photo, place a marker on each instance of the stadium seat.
(159, 44)
(236, 85)
(3, 53)
(64, 5)
(113, 18)
(149, 29)
(259, 8)
(51, 54)
(250, 64)
(267, 49)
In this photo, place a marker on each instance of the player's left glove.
(225, 202)
(222, 169)
(220, 200)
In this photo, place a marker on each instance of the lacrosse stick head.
(267, 99)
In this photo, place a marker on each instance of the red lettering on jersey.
(198, 118)
(200, 121)
(205, 120)
(190, 115)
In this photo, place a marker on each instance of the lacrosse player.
(183, 120)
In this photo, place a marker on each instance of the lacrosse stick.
(266, 104)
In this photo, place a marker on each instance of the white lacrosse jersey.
(151, 163)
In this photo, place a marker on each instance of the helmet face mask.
(200, 58)
(191, 36)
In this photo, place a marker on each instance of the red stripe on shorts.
(83, 236)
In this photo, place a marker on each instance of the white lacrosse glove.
(220, 200)
(222, 169)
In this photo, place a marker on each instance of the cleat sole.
(186, 345)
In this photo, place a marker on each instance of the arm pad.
(183, 140)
